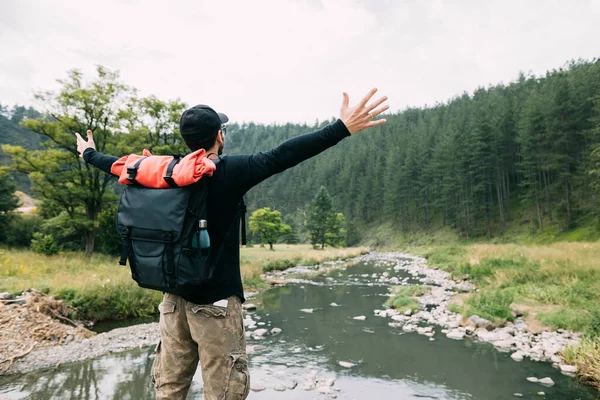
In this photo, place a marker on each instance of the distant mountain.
(13, 133)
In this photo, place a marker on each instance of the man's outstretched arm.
(352, 120)
(87, 150)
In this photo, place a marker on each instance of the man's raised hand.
(361, 115)
(82, 145)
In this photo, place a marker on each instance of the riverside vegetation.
(101, 289)
(555, 286)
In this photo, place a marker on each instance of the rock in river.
(456, 334)
(546, 382)
(517, 356)
(346, 364)
(256, 386)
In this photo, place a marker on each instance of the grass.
(404, 297)
(587, 358)
(102, 289)
(492, 305)
(256, 260)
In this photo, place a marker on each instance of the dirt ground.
(31, 321)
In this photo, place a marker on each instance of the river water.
(388, 363)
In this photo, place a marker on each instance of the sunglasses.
(223, 130)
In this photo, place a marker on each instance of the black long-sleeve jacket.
(234, 176)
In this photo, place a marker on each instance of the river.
(383, 362)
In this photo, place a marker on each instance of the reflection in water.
(389, 363)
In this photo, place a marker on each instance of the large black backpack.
(158, 226)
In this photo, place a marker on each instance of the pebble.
(533, 379)
(546, 382)
(276, 331)
(456, 334)
(324, 390)
(291, 385)
(517, 356)
(360, 318)
(568, 368)
(249, 306)
(307, 310)
(334, 305)
(256, 386)
(279, 387)
(518, 395)
(346, 364)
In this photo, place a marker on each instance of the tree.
(335, 235)
(325, 226)
(121, 123)
(268, 225)
(8, 202)
(57, 173)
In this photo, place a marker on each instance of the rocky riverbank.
(436, 318)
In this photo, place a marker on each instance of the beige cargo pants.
(211, 334)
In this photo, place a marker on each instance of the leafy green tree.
(268, 225)
(57, 173)
(8, 202)
(122, 124)
(336, 233)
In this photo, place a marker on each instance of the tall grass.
(102, 289)
(404, 297)
(587, 358)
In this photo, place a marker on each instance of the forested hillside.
(12, 133)
(524, 154)
(520, 157)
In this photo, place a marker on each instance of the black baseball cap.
(200, 122)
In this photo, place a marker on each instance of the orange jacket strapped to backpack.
(161, 172)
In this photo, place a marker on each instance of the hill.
(12, 133)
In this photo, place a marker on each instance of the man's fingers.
(346, 100)
(78, 136)
(374, 105)
(376, 122)
(367, 97)
(379, 110)
(89, 134)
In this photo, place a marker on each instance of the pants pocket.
(155, 372)
(209, 310)
(238, 384)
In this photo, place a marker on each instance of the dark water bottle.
(201, 240)
(204, 239)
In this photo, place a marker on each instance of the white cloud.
(276, 60)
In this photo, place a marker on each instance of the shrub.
(280, 265)
(44, 244)
(21, 228)
(108, 240)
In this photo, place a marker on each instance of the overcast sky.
(290, 60)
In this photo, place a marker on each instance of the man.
(208, 327)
